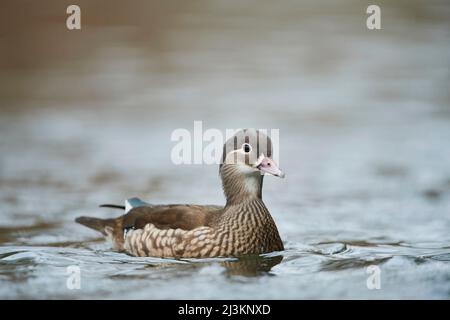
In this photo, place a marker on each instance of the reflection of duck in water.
(243, 226)
(251, 265)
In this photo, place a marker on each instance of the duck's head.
(247, 156)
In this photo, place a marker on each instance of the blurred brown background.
(135, 48)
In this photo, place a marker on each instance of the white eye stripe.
(238, 151)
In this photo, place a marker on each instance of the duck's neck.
(240, 187)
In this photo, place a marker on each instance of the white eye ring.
(247, 148)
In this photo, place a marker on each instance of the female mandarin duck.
(243, 226)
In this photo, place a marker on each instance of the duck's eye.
(246, 147)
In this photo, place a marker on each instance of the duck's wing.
(139, 213)
(185, 217)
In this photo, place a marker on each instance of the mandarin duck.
(243, 226)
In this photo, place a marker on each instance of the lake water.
(364, 119)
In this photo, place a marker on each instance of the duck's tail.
(105, 226)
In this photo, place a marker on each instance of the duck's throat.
(240, 186)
